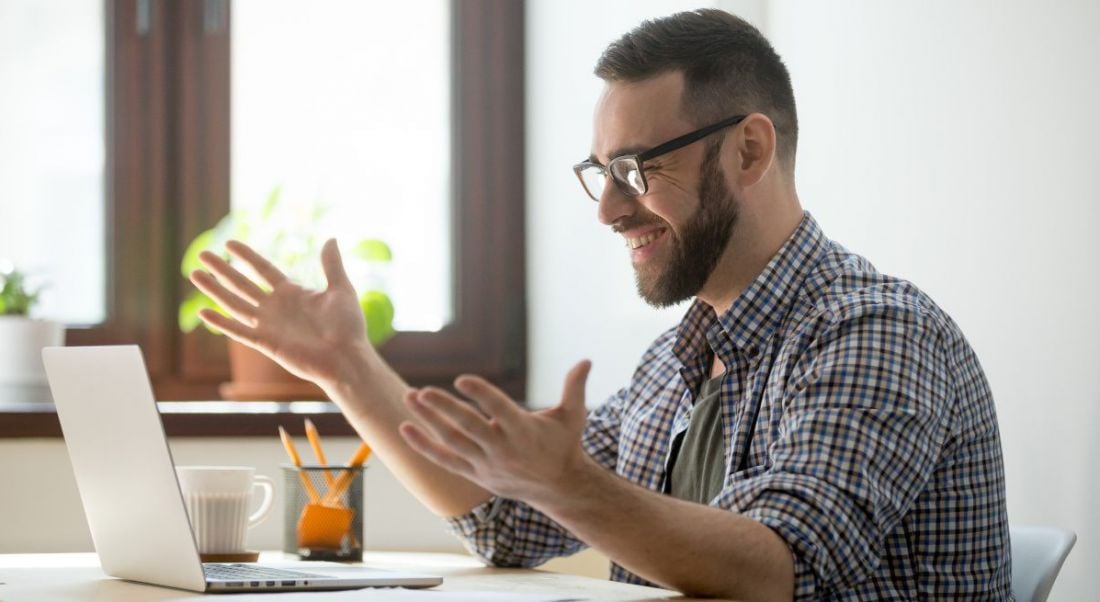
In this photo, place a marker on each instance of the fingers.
(335, 274)
(232, 328)
(449, 420)
(572, 395)
(231, 278)
(254, 260)
(423, 444)
(472, 422)
(237, 307)
(492, 400)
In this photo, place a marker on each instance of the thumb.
(572, 396)
(334, 267)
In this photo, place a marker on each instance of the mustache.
(630, 223)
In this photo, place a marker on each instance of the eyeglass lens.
(624, 170)
(627, 171)
(594, 179)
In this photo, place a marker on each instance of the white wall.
(953, 143)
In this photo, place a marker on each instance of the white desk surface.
(66, 577)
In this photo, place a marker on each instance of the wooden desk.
(65, 577)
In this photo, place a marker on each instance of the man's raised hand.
(497, 444)
(309, 332)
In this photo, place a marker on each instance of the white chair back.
(1037, 556)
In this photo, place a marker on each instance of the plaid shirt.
(857, 422)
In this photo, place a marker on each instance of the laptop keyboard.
(251, 572)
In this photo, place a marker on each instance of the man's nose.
(614, 205)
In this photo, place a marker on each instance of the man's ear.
(754, 142)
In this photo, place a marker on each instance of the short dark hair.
(729, 68)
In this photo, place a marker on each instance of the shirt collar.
(759, 309)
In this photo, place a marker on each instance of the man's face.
(679, 229)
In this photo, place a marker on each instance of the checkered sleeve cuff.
(796, 536)
(504, 532)
(833, 540)
(474, 528)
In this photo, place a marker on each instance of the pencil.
(360, 456)
(293, 453)
(315, 442)
(357, 459)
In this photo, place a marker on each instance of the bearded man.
(811, 429)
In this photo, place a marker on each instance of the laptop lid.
(127, 481)
(123, 466)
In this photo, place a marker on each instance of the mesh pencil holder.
(323, 517)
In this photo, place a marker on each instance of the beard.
(696, 250)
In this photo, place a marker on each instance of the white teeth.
(635, 243)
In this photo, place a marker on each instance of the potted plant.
(22, 376)
(289, 235)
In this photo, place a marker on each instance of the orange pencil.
(360, 456)
(357, 459)
(315, 442)
(293, 453)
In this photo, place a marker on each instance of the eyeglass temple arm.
(687, 139)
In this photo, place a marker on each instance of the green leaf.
(239, 225)
(190, 262)
(189, 312)
(373, 249)
(271, 203)
(378, 311)
(15, 299)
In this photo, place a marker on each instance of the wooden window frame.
(168, 171)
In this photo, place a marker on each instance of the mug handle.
(265, 507)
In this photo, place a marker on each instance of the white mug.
(217, 500)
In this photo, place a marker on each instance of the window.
(364, 136)
(171, 166)
(52, 154)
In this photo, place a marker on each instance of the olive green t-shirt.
(698, 461)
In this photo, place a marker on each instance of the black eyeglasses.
(628, 171)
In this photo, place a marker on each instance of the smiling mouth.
(641, 241)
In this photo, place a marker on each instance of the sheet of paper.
(380, 594)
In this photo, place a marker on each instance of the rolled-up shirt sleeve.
(505, 532)
(862, 424)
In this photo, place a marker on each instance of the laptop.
(127, 482)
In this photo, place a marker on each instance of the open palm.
(307, 331)
(495, 443)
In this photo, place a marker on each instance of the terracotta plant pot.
(258, 378)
